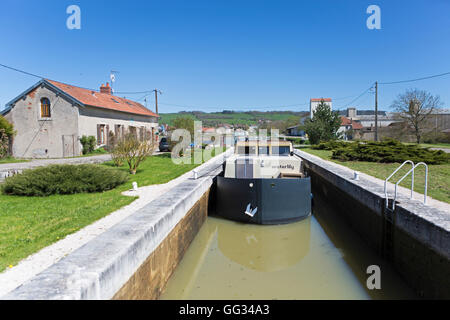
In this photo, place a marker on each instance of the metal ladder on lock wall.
(411, 171)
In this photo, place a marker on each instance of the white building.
(313, 103)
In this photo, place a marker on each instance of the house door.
(68, 145)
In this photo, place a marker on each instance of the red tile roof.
(348, 122)
(103, 100)
(320, 99)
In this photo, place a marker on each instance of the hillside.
(214, 119)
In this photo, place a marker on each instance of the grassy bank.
(28, 224)
(11, 160)
(438, 175)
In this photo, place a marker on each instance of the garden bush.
(88, 144)
(64, 179)
(385, 151)
(330, 145)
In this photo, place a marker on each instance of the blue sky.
(241, 55)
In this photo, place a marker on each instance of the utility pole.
(376, 111)
(156, 91)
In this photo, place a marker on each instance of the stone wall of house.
(91, 117)
(36, 137)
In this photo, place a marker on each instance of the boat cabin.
(263, 159)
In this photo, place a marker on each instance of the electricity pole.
(376, 111)
(156, 91)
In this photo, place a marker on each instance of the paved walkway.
(443, 149)
(6, 169)
(45, 162)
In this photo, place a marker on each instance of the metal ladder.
(411, 171)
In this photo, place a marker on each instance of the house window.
(101, 134)
(45, 108)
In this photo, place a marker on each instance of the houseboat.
(263, 182)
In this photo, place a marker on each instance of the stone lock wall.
(414, 238)
(151, 277)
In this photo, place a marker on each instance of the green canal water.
(316, 258)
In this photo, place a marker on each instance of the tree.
(133, 151)
(324, 124)
(281, 125)
(186, 123)
(414, 107)
(7, 127)
(6, 132)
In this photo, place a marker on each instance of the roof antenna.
(112, 76)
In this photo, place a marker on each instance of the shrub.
(7, 127)
(330, 145)
(4, 144)
(385, 151)
(133, 151)
(64, 179)
(88, 144)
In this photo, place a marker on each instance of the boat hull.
(277, 201)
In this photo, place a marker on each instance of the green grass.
(438, 175)
(235, 118)
(434, 145)
(28, 224)
(12, 160)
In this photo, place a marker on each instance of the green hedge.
(330, 145)
(64, 179)
(385, 151)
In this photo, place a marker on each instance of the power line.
(21, 71)
(417, 79)
(363, 93)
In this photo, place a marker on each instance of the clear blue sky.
(241, 55)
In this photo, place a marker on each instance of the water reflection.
(264, 248)
(302, 260)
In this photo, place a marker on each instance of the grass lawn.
(434, 145)
(11, 160)
(28, 224)
(438, 175)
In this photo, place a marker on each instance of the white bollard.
(135, 186)
(195, 174)
(355, 175)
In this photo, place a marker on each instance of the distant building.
(51, 117)
(350, 128)
(367, 117)
(295, 131)
(313, 103)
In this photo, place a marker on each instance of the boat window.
(247, 150)
(281, 150)
(264, 150)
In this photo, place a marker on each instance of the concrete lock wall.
(415, 238)
(135, 258)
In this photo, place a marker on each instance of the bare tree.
(133, 151)
(414, 107)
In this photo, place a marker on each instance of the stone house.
(350, 129)
(51, 117)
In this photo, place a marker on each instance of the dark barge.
(263, 183)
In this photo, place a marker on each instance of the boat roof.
(262, 143)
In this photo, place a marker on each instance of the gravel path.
(38, 262)
(45, 162)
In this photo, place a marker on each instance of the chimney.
(105, 89)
